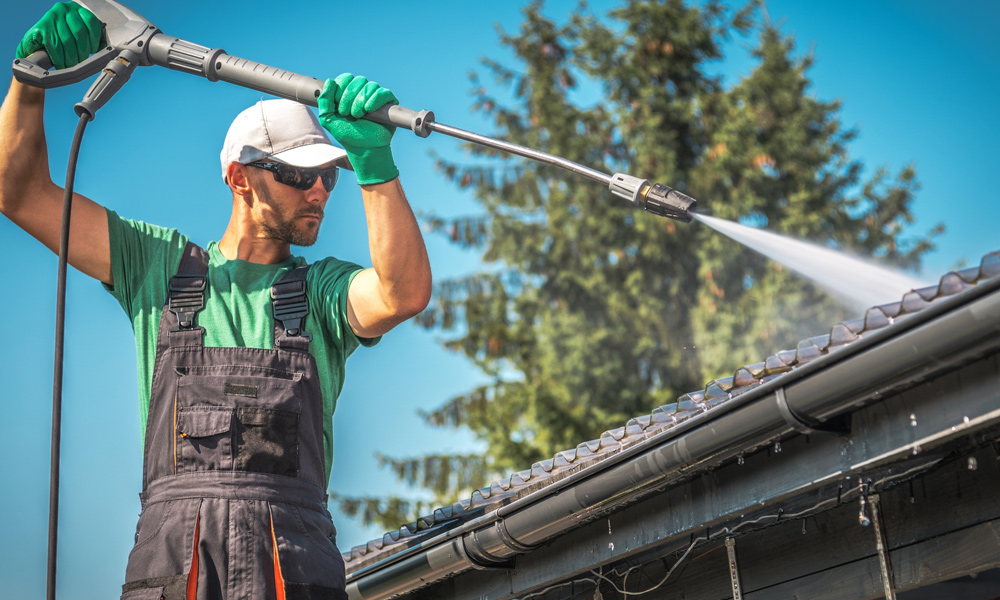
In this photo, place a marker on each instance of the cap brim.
(314, 155)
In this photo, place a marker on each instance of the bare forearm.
(399, 256)
(30, 199)
(24, 165)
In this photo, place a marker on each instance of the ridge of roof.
(664, 417)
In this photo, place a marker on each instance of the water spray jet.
(861, 283)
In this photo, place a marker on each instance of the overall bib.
(234, 502)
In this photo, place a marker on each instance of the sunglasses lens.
(329, 177)
(300, 178)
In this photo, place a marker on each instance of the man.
(241, 345)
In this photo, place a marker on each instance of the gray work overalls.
(234, 502)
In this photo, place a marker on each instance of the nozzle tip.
(667, 202)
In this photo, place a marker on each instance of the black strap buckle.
(291, 306)
(186, 296)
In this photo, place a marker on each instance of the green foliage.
(593, 311)
(387, 512)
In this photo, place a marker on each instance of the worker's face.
(285, 213)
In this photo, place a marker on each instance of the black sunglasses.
(301, 178)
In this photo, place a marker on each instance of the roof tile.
(842, 334)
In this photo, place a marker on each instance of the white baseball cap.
(280, 130)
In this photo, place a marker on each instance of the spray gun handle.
(37, 71)
(122, 28)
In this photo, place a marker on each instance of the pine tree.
(593, 311)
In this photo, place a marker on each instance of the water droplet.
(777, 446)
(739, 459)
(965, 420)
(916, 450)
(973, 463)
(611, 546)
(609, 526)
(913, 420)
(863, 519)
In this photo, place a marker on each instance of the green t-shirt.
(237, 309)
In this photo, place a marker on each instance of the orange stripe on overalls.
(279, 581)
(192, 586)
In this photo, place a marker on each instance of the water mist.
(861, 283)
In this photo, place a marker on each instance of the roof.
(639, 431)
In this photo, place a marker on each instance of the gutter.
(808, 399)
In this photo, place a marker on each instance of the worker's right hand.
(343, 104)
(69, 33)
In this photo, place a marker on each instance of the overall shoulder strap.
(291, 306)
(186, 292)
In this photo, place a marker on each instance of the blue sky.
(919, 81)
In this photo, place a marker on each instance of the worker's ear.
(237, 179)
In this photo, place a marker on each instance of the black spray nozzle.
(656, 198)
(665, 201)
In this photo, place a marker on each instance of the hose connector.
(656, 198)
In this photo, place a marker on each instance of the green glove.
(68, 32)
(341, 105)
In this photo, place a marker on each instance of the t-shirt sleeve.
(332, 280)
(140, 251)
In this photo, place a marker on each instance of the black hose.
(57, 370)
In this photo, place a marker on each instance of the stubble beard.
(285, 229)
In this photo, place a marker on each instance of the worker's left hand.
(342, 104)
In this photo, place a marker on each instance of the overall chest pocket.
(237, 419)
(204, 438)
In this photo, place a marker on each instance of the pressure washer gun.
(133, 41)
